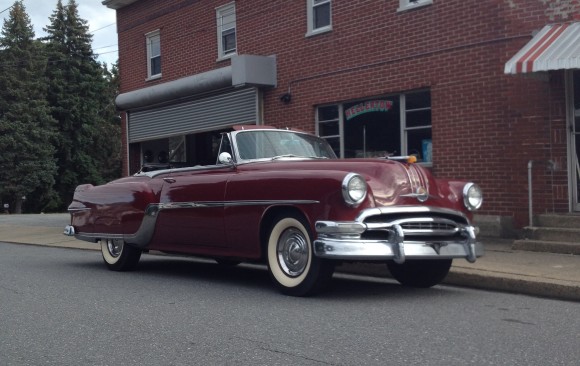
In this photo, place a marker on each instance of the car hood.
(390, 182)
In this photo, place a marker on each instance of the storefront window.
(372, 128)
(392, 125)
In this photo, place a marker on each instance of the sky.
(101, 22)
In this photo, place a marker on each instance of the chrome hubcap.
(293, 252)
(115, 247)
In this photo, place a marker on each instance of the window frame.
(413, 4)
(221, 12)
(405, 129)
(404, 135)
(339, 120)
(149, 37)
(310, 5)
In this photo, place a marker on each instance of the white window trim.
(403, 124)
(220, 28)
(409, 4)
(405, 129)
(148, 37)
(340, 121)
(310, 20)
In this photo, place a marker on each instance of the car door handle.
(169, 180)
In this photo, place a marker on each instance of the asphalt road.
(63, 307)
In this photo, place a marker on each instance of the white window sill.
(226, 57)
(318, 31)
(153, 77)
(415, 6)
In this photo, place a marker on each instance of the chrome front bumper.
(342, 241)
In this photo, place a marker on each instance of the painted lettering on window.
(368, 106)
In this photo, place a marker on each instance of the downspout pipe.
(530, 199)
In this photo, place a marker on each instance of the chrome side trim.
(210, 204)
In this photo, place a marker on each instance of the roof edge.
(117, 4)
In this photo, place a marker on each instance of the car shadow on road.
(254, 277)
(347, 287)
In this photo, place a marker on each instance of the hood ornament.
(420, 194)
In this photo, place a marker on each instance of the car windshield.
(281, 144)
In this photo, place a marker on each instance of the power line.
(106, 26)
(8, 8)
(100, 48)
(103, 53)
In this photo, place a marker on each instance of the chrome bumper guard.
(341, 240)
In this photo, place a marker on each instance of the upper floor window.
(226, 30)
(411, 4)
(319, 14)
(153, 54)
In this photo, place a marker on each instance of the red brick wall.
(486, 125)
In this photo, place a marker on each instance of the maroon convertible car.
(283, 198)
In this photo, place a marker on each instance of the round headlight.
(354, 189)
(472, 196)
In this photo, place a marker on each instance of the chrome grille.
(437, 227)
(434, 226)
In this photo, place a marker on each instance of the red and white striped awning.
(555, 47)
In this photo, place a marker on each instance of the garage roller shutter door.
(211, 113)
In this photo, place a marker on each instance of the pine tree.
(108, 138)
(27, 130)
(77, 88)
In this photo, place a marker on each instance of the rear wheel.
(420, 273)
(291, 262)
(119, 256)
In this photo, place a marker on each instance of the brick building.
(426, 77)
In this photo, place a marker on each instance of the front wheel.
(291, 261)
(419, 272)
(119, 256)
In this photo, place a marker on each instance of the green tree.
(78, 92)
(27, 130)
(107, 142)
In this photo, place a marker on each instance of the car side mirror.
(225, 158)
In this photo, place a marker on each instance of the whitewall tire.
(291, 262)
(119, 256)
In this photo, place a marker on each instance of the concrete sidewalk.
(501, 269)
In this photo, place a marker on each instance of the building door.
(575, 142)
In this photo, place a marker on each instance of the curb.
(482, 280)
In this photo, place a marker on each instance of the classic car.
(281, 197)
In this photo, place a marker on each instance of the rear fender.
(113, 209)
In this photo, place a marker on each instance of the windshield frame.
(279, 155)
